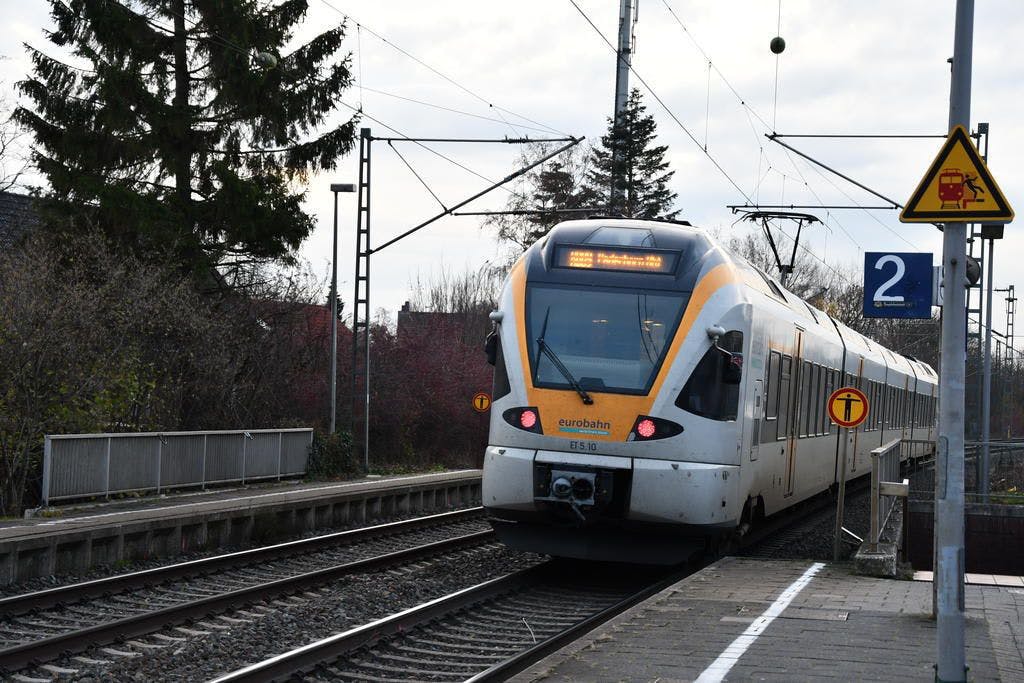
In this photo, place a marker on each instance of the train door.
(755, 432)
(793, 414)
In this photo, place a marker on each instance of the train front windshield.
(608, 340)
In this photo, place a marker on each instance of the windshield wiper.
(543, 347)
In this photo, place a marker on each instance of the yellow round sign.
(481, 402)
(848, 407)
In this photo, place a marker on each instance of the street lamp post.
(335, 188)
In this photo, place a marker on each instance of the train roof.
(699, 252)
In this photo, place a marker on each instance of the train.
(655, 393)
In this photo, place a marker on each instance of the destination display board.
(624, 259)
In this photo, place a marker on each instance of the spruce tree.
(182, 125)
(547, 192)
(639, 169)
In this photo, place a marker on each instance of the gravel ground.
(812, 539)
(103, 571)
(267, 629)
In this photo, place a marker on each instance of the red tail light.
(650, 428)
(527, 419)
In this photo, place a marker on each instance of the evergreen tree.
(640, 170)
(555, 186)
(181, 124)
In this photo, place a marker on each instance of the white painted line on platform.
(721, 666)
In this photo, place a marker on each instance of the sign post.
(960, 198)
(848, 407)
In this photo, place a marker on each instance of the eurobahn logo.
(585, 426)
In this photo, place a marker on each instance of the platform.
(81, 536)
(744, 619)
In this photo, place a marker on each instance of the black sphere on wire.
(777, 45)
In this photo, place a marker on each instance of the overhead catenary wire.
(437, 72)
(452, 110)
(775, 100)
(751, 111)
(693, 139)
(661, 102)
(358, 110)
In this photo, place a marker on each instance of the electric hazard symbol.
(957, 188)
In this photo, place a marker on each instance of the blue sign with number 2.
(897, 285)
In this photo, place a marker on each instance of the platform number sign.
(897, 285)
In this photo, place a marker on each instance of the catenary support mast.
(949, 461)
(623, 59)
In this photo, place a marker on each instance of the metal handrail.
(80, 465)
(885, 488)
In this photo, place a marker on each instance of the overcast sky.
(867, 67)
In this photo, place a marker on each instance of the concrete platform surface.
(110, 534)
(758, 620)
(81, 516)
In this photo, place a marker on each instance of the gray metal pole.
(841, 500)
(623, 58)
(334, 321)
(986, 379)
(949, 462)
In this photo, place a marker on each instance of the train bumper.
(516, 484)
(693, 494)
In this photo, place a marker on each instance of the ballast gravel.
(813, 540)
(265, 629)
(103, 571)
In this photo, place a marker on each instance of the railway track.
(500, 627)
(483, 633)
(40, 627)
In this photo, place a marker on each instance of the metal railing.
(88, 465)
(886, 487)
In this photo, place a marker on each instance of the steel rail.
(27, 602)
(307, 657)
(27, 654)
(313, 654)
(520, 662)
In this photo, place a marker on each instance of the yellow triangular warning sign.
(957, 188)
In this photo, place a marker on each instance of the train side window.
(500, 386)
(890, 407)
(785, 405)
(804, 399)
(826, 389)
(873, 421)
(769, 426)
(877, 406)
(713, 389)
(819, 397)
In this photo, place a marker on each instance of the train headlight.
(527, 419)
(648, 428)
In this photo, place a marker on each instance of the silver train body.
(653, 391)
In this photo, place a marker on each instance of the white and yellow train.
(653, 390)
